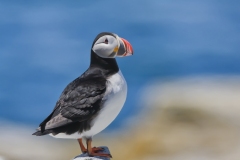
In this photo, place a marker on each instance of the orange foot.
(97, 149)
(84, 150)
(100, 154)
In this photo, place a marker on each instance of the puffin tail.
(41, 129)
(40, 133)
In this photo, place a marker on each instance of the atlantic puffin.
(92, 101)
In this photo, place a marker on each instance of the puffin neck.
(109, 65)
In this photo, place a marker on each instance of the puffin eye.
(106, 41)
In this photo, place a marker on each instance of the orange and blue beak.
(125, 48)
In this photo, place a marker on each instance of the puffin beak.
(125, 48)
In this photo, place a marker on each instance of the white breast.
(115, 96)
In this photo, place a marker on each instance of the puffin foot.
(100, 154)
(83, 149)
(94, 151)
(97, 149)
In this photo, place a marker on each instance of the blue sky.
(44, 45)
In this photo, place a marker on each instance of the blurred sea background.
(183, 81)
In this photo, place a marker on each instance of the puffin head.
(110, 45)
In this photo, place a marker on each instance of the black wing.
(80, 101)
(83, 101)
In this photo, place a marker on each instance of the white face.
(106, 46)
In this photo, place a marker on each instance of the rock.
(85, 156)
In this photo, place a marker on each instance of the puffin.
(92, 101)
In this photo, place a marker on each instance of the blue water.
(45, 45)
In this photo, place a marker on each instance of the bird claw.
(84, 151)
(100, 155)
(97, 149)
